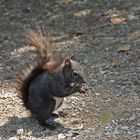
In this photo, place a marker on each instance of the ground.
(104, 35)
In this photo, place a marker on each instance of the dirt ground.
(104, 35)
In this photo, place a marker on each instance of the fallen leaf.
(123, 49)
(82, 13)
(98, 65)
(117, 20)
(116, 17)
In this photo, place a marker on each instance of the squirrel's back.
(25, 77)
(48, 59)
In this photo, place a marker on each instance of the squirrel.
(45, 82)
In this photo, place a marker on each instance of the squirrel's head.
(73, 75)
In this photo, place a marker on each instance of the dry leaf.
(116, 17)
(117, 20)
(98, 65)
(123, 49)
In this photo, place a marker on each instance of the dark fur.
(43, 82)
(25, 77)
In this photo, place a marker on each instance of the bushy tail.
(42, 41)
(48, 59)
(24, 78)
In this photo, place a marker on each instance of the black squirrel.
(45, 82)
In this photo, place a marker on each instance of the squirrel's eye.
(75, 73)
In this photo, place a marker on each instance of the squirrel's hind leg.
(44, 113)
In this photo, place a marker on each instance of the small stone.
(80, 127)
(122, 119)
(74, 115)
(126, 128)
(13, 138)
(115, 122)
(69, 135)
(138, 124)
(75, 122)
(106, 49)
(108, 129)
(97, 94)
(116, 132)
(74, 98)
(102, 72)
(129, 133)
(132, 17)
(138, 109)
(112, 81)
(61, 136)
(138, 131)
(132, 118)
(20, 131)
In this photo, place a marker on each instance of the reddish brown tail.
(42, 41)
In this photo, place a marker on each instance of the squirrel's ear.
(67, 62)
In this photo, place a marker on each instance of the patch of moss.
(110, 114)
(106, 116)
